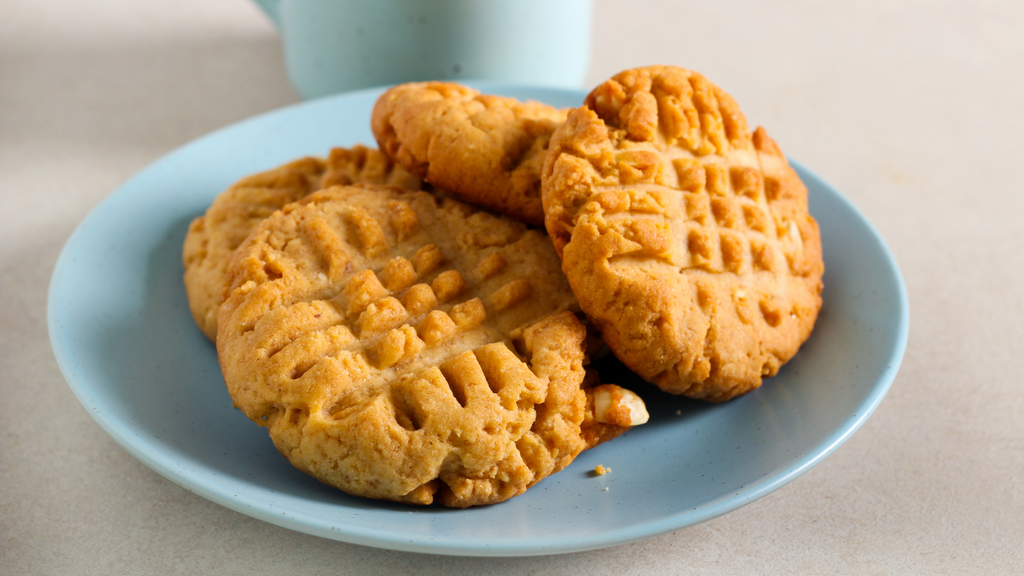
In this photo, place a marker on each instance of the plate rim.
(121, 433)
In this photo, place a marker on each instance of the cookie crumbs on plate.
(600, 470)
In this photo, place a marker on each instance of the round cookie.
(237, 211)
(686, 238)
(487, 150)
(409, 347)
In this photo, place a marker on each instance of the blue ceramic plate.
(124, 339)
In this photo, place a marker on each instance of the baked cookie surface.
(409, 347)
(686, 237)
(236, 212)
(487, 150)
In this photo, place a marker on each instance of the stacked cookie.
(406, 330)
(397, 343)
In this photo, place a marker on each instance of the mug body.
(338, 45)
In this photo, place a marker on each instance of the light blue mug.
(338, 45)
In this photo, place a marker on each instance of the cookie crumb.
(600, 470)
(615, 405)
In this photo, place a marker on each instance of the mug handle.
(272, 8)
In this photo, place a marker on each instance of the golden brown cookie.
(488, 150)
(237, 211)
(404, 346)
(686, 238)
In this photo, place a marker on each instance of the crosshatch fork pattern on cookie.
(404, 346)
(686, 237)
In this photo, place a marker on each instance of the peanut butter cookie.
(686, 238)
(487, 150)
(410, 347)
(237, 211)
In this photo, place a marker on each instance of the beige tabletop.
(912, 109)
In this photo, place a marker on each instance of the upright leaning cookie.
(487, 150)
(408, 347)
(237, 211)
(686, 238)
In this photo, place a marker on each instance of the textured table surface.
(912, 109)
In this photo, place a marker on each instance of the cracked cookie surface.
(409, 347)
(485, 149)
(236, 212)
(686, 237)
